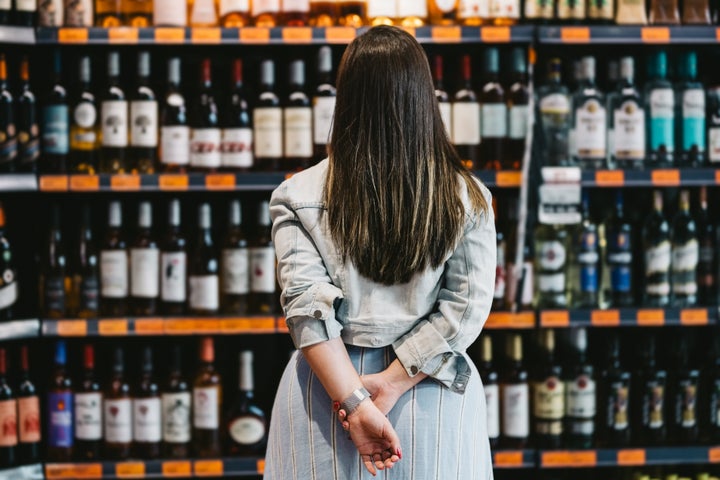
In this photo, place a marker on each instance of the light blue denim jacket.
(430, 321)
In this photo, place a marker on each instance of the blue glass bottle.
(659, 112)
(60, 409)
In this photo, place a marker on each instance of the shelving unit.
(229, 467)
(628, 35)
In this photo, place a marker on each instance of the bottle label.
(518, 121)
(9, 291)
(504, 9)
(602, 9)
(55, 130)
(411, 8)
(172, 281)
(590, 129)
(235, 271)
(60, 432)
(169, 14)
(620, 261)
(686, 404)
(657, 261)
(653, 405)
(114, 114)
(50, 13)
(466, 123)
(494, 120)
(8, 423)
(714, 144)
(446, 6)
(262, 270)
(492, 403)
(549, 399)
(205, 147)
(684, 263)
(204, 292)
(118, 420)
(553, 282)
(204, 12)
(323, 112)
(205, 408)
(79, 14)
(693, 118)
(571, 9)
(144, 123)
(147, 425)
(236, 148)
(247, 430)
(715, 404)
(662, 105)
(381, 8)
(629, 131)
(619, 402)
(85, 115)
(29, 419)
(473, 9)
(88, 416)
(175, 145)
(298, 132)
(516, 410)
(144, 274)
(230, 6)
(580, 400)
(555, 104)
(176, 417)
(54, 293)
(268, 132)
(552, 255)
(266, 6)
(114, 273)
(26, 5)
(89, 292)
(446, 115)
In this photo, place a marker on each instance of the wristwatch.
(351, 403)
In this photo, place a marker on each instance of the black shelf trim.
(628, 34)
(629, 317)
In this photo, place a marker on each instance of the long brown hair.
(393, 189)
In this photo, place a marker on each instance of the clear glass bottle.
(493, 113)
(551, 255)
(114, 120)
(381, 12)
(590, 120)
(580, 393)
(685, 255)
(657, 248)
(443, 12)
(554, 104)
(585, 261)
(628, 120)
(143, 120)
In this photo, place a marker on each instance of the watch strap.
(351, 403)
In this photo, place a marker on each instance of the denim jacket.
(430, 321)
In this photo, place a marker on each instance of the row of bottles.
(551, 397)
(664, 123)
(143, 273)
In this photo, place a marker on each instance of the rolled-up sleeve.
(308, 295)
(437, 344)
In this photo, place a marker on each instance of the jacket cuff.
(310, 317)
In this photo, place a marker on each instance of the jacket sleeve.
(308, 295)
(437, 344)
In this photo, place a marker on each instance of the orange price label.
(555, 318)
(650, 318)
(54, 183)
(255, 35)
(495, 34)
(508, 178)
(205, 35)
(220, 181)
(73, 35)
(85, 183)
(176, 469)
(170, 35)
(297, 34)
(130, 470)
(235, 325)
(207, 325)
(655, 34)
(72, 328)
(149, 326)
(717, 173)
(446, 34)
(569, 459)
(281, 326)
(340, 34)
(498, 320)
(575, 34)
(605, 318)
(717, 34)
(73, 471)
(260, 466)
(113, 327)
(508, 459)
(695, 316)
(173, 182)
(179, 326)
(714, 455)
(208, 468)
(123, 35)
(631, 457)
(125, 182)
(665, 177)
(610, 178)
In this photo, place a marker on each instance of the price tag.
(73, 35)
(340, 34)
(255, 35)
(205, 35)
(169, 35)
(130, 470)
(508, 178)
(85, 183)
(207, 325)
(73, 471)
(650, 318)
(509, 459)
(630, 457)
(72, 328)
(698, 316)
(262, 324)
(297, 34)
(495, 34)
(123, 35)
(555, 318)
(575, 34)
(714, 455)
(260, 466)
(235, 325)
(176, 469)
(208, 468)
(446, 34)
(113, 327)
(605, 318)
(561, 174)
(149, 326)
(220, 181)
(717, 177)
(281, 325)
(610, 178)
(569, 459)
(173, 182)
(125, 182)
(179, 326)
(665, 177)
(655, 34)
(54, 183)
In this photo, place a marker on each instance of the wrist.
(353, 401)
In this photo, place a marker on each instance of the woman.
(386, 256)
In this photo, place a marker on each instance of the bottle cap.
(267, 72)
(145, 215)
(519, 60)
(246, 371)
(207, 350)
(588, 68)
(143, 64)
(438, 67)
(204, 216)
(60, 353)
(25, 69)
(263, 217)
(235, 213)
(113, 65)
(24, 358)
(174, 212)
(237, 71)
(487, 353)
(657, 65)
(578, 338)
(3, 361)
(85, 74)
(325, 59)
(297, 72)
(174, 71)
(57, 62)
(492, 60)
(115, 214)
(147, 364)
(627, 68)
(466, 68)
(118, 360)
(206, 71)
(687, 69)
(89, 357)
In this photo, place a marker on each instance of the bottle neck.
(246, 381)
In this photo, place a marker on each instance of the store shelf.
(114, 327)
(228, 467)
(629, 317)
(27, 472)
(17, 329)
(629, 457)
(628, 34)
(664, 177)
(509, 320)
(272, 36)
(514, 459)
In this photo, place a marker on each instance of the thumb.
(393, 440)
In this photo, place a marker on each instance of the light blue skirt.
(443, 435)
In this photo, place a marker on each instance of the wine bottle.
(411, 13)
(517, 99)
(203, 275)
(114, 120)
(652, 384)
(489, 376)
(590, 120)
(660, 105)
(8, 417)
(713, 392)
(84, 128)
(493, 113)
(656, 243)
(137, 13)
(114, 281)
(117, 411)
(706, 277)
(514, 396)
(172, 13)
(295, 13)
(143, 120)
(580, 393)
(686, 381)
(501, 244)
(203, 13)
(205, 135)
(472, 13)
(554, 106)
(147, 411)
(262, 264)
(352, 13)
(234, 13)
(144, 266)
(108, 13)
(381, 12)
(207, 404)
(54, 123)
(441, 94)
(585, 261)
(551, 246)
(8, 139)
(691, 120)
(174, 130)
(268, 121)
(246, 422)
(176, 405)
(27, 123)
(60, 409)
(628, 120)
(323, 13)
(614, 398)
(234, 266)
(29, 426)
(8, 282)
(79, 13)
(86, 281)
(173, 264)
(88, 410)
(25, 12)
(265, 13)
(54, 276)
(323, 102)
(466, 118)
(443, 12)
(236, 147)
(620, 256)
(685, 255)
(298, 134)
(548, 395)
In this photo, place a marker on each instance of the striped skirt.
(443, 435)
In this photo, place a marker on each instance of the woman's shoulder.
(471, 214)
(304, 188)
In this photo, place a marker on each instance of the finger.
(377, 458)
(341, 414)
(367, 461)
(346, 425)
